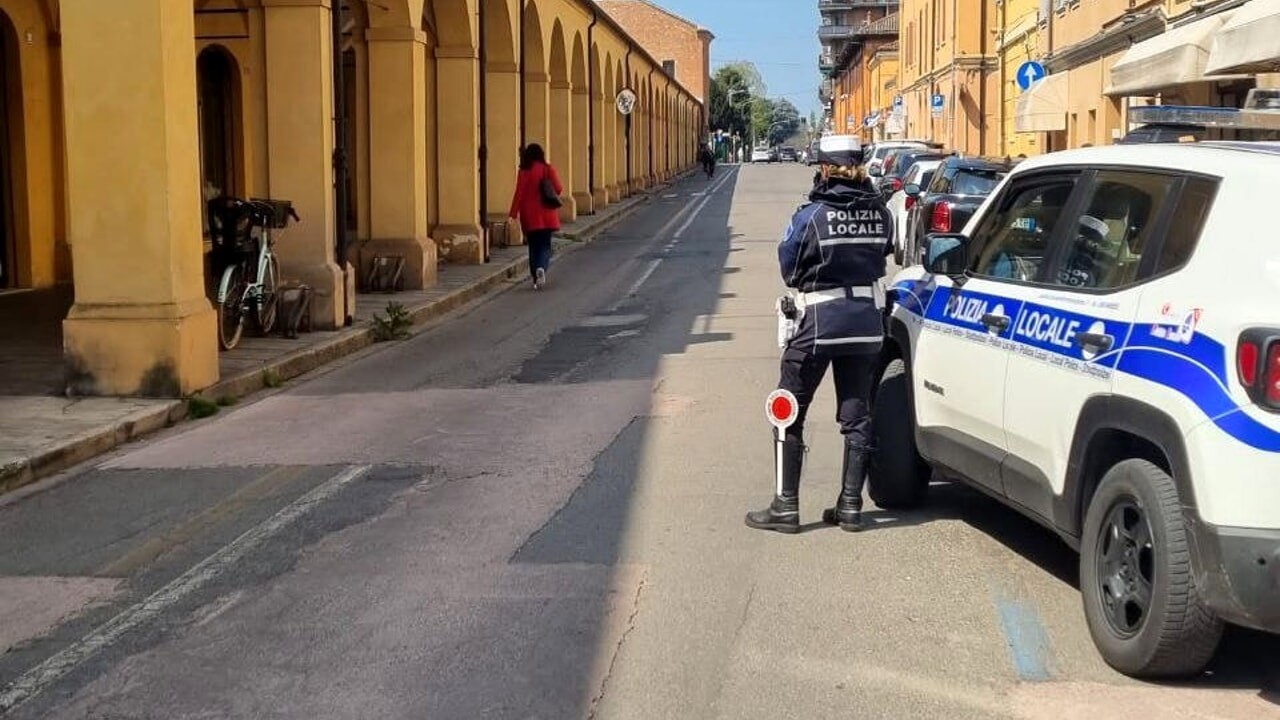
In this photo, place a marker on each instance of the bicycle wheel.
(268, 304)
(231, 307)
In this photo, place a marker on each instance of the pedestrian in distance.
(708, 159)
(537, 203)
(833, 260)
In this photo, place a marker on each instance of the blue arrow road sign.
(1029, 72)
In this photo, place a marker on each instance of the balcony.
(835, 32)
(826, 62)
(832, 6)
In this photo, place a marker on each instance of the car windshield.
(976, 182)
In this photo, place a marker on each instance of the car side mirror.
(946, 254)
(912, 190)
(876, 171)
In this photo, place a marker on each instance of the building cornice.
(1130, 29)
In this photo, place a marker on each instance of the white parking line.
(37, 679)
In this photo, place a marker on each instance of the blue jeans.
(539, 250)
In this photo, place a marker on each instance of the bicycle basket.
(276, 213)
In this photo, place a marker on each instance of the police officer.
(833, 259)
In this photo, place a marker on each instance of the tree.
(750, 76)
(761, 119)
(784, 121)
(731, 100)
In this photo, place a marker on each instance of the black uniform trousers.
(802, 373)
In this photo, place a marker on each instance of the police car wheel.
(1140, 599)
(899, 477)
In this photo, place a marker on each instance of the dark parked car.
(896, 165)
(788, 154)
(958, 187)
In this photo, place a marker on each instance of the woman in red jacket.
(539, 218)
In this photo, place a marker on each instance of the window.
(669, 67)
(1186, 224)
(975, 182)
(1013, 241)
(1105, 248)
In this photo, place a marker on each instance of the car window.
(942, 181)
(925, 178)
(975, 182)
(1187, 222)
(1012, 241)
(1104, 249)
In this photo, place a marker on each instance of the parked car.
(875, 154)
(760, 155)
(945, 204)
(787, 154)
(900, 203)
(896, 165)
(1098, 349)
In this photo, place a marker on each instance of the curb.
(145, 422)
(89, 445)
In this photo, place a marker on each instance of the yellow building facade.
(1019, 43)
(123, 117)
(947, 51)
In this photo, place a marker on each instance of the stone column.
(563, 152)
(141, 324)
(398, 154)
(458, 234)
(300, 136)
(502, 138)
(581, 140)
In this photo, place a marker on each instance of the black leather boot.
(783, 514)
(848, 510)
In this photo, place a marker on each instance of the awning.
(1175, 57)
(1249, 42)
(1043, 107)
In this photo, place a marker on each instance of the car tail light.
(1258, 364)
(911, 202)
(895, 184)
(1247, 363)
(1272, 375)
(941, 218)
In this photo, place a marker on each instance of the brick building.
(681, 45)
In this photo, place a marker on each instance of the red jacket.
(528, 199)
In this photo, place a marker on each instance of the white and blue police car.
(1100, 349)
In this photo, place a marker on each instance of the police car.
(1100, 349)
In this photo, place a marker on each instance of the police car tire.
(899, 477)
(1180, 633)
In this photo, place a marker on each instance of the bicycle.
(242, 235)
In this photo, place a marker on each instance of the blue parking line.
(1028, 642)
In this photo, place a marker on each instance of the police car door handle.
(996, 322)
(1097, 341)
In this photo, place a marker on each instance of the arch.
(450, 22)
(34, 250)
(533, 49)
(558, 63)
(500, 46)
(578, 64)
(391, 13)
(536, 92)
(220, 123)
(608, 120)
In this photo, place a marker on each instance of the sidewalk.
(43, 434)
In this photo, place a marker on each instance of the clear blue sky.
(779, 36)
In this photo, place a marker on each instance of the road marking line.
(37, 679)
(211, 517)
(1028, 642)
(653, 264)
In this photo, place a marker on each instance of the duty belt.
(817, 297)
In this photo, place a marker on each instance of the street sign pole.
(781, 408)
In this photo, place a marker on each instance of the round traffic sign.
(626, 101)
(781, 407)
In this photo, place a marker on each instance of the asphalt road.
(533, 509)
